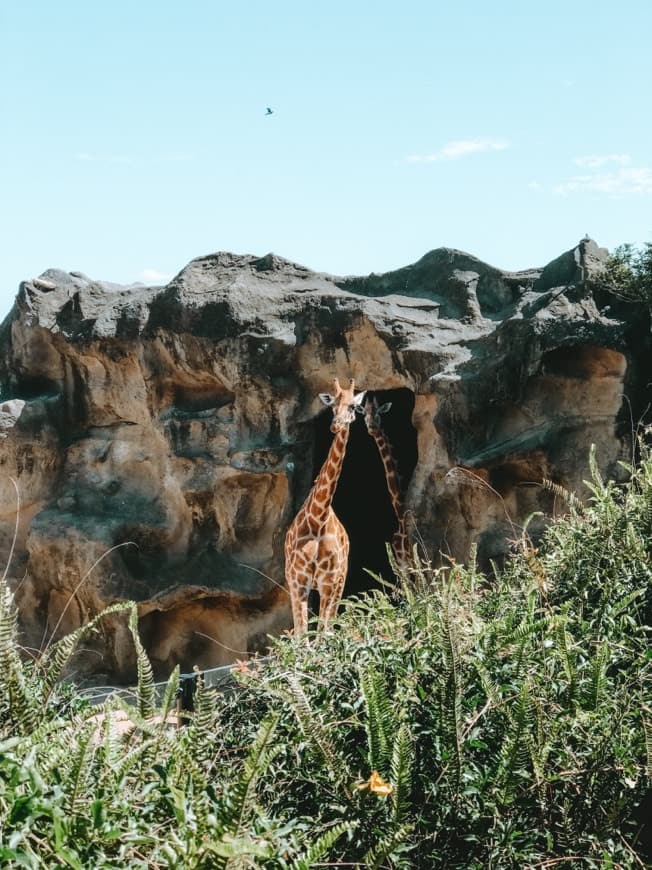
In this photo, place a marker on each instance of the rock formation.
(162, 438)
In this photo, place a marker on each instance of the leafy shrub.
(462, 721)
(628, 272)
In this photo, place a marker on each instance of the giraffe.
(316, 544)
(400, 541)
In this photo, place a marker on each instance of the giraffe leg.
(299, 601)
(300, 616)
(297, 578)
(325, 596)
(335, 572)
(330, 601)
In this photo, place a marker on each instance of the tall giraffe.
(400, 541)
(316, 544)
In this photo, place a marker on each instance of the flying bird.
(269, 111)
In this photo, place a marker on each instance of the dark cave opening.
(362, 500)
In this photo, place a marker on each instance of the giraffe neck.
(400, 541)
(321, 495)
(391, 474)
(401, 548)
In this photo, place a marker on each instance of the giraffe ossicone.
(316, 544)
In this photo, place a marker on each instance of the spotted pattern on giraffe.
(400, 542)
(316, 544)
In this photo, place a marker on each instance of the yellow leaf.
(376, 784)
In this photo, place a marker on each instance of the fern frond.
(20, 702)
(199, 735)
(514, 754)
(146, 690)
(203, 716)
(597, 679)
(237, 853)
(451, 690)
(530, 629)
(593, 467)
(380, 720)
(321, 846)
(386, 846)
(538, 741)
(53, 661)
(491, 687)
(129, 761)
(646, 718)
(564, 494)
(169, 695)
(80, 770)
(110, 742)
(239, 801)
(190, 777)
(472, 566)
(624, 605)
(569, 661)
(401, 772)
(311, 725)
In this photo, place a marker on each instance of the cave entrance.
(362, 501)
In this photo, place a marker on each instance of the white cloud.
(628, 180)
(153, 276)
(457, 149)
(595, 161)
(535, 185)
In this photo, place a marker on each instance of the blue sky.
(135, 136)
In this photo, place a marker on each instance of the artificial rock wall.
(162, 437)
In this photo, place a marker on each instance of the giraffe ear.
(327, 399)
(384, 408)
(357, 399)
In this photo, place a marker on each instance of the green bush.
(628, 272)
(460, 721)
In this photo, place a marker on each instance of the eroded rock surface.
(163, 437)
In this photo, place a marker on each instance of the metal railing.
(217, 678)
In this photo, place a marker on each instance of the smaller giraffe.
(400, 541)
(316, 544)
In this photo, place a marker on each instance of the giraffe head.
(344, 403)
(372, 411)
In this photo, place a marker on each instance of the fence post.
(185, 696)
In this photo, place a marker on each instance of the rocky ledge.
(162, 438)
